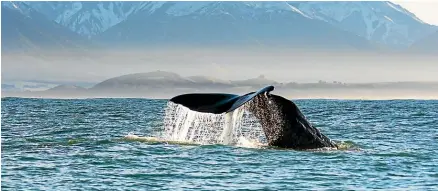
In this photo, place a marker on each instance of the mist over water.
(39, 71)
(229, 63)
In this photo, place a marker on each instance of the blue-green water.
(78, 145)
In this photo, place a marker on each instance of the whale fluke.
(216, 103)
(283, 123)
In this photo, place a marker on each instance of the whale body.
(282, 122)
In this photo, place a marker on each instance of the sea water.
(54, 144)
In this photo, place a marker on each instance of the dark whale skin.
(284, 125)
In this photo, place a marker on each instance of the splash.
(239, 127)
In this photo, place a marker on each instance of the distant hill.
(168, 80)
(158, 79)
(66, 88)
(161, 84)
(258, 82)
(9, 87)
(210, 81)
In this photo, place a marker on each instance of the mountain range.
(427, 44)
(327, 25)
(25, 28)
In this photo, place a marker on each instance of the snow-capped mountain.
(18, 7)
(85, 18)
(225, 23)
(379, 21)
(92, 18)
(428, 44)
(24, 28)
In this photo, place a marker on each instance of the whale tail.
(283, 123)
(215, 102)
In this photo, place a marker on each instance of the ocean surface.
(49, 144)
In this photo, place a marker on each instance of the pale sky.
(426, 10)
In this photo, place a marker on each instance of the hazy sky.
(426, 10)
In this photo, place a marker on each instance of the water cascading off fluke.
(183, 124)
